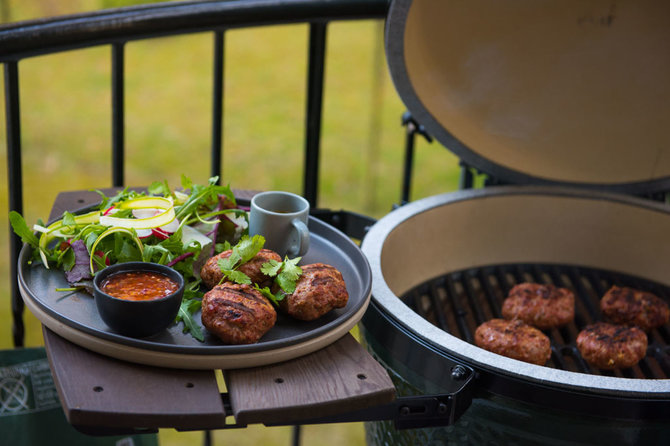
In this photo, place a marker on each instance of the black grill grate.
(458, 302)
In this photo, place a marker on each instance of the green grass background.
(66, 137)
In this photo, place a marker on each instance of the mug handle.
(302, 241)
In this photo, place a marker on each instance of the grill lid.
(569, 92)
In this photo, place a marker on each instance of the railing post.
(15, 184)
(466, 179)
(118, 114)
(316, 63)
(217, 105)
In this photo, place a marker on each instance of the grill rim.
(373, 244)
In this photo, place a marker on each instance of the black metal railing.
(115, 28)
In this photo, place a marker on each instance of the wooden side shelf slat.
(97, 390)
(339, 378)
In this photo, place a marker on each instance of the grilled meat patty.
(319, 289)
(514, 339)
(237, 314)
(539, 305)
(628, 306)
(607, 346)
(211, 273)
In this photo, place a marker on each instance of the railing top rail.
(36, 37)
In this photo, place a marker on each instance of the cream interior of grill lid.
(566, 91)
(530, 224)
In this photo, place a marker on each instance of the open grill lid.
(555, 92)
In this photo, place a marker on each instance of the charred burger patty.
(539, 305)
(237, 314)
(319, 289)
(608, 346)
(628, 306)
(514, 339)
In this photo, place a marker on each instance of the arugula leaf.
(100, 260)
(201, 195)
(155, 254)
(191, 303)
(160, 188)
(68, 219)
(173, 245)
(68, 260)
(22, 230)
(90, 239)
(185, 315)
(123, 195)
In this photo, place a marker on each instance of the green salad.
(179, 228)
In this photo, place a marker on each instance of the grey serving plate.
(73, 315)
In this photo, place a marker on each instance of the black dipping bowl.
(138, 318)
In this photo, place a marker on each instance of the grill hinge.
(353, 224)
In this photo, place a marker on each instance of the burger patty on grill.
(539, 305)
(514, 339)
(211, 272)
(609, 346)
(628, 306)
(237, 314)
(319, 289)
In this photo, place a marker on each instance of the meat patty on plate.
(542, 306)
(237, 314)
(608, 346)
(319, 289)
(514, 339)
(211, 273)
(629, 306)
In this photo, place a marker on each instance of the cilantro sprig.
(245, 250)
(285, 273)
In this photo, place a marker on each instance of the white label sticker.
(27, 387)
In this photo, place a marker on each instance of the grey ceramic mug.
(281, 217)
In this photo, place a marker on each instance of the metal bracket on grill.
(408, 412)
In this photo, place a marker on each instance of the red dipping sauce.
(139, 285)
